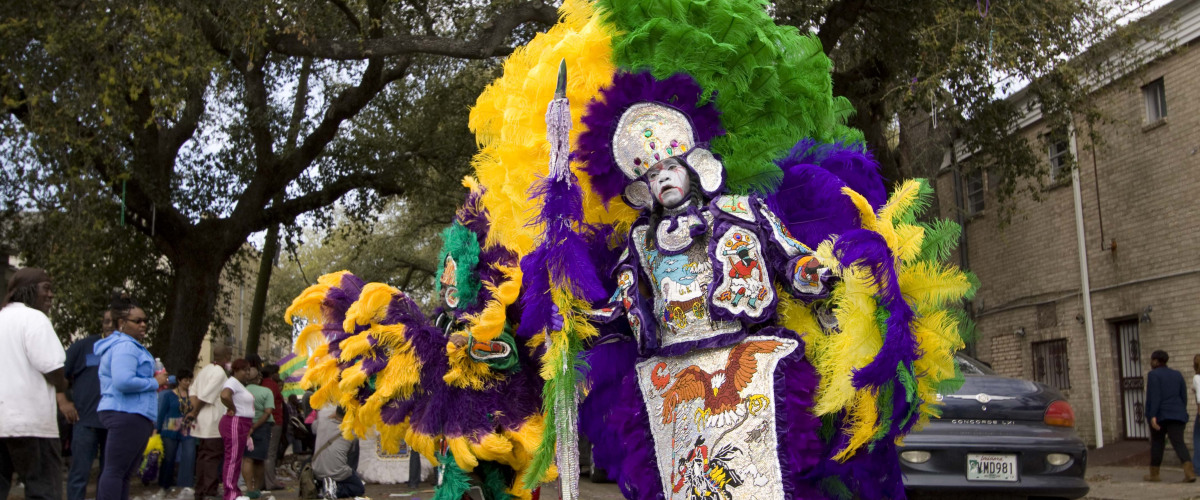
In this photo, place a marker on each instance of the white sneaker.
(186, 493)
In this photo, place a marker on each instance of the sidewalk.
(1125, 483)
(1115, 473)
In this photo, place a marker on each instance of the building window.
(1050, 363)
(1156, 100)
(1060, 156)
(975, 201)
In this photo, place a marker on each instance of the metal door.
(1133, 386)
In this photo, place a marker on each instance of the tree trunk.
(195, 289)
(265, 266)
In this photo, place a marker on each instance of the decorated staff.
(560, 281)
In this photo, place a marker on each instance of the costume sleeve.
(794, 262)
(124, 368)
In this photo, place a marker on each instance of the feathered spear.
(560, 280)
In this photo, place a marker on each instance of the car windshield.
(971, 366)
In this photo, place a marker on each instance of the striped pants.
(234, 432)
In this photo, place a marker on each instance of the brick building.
(1136, 197)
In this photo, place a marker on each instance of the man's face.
(45, 295)
(669, 182)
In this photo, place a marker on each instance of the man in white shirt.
(205, 394)
(31, 366)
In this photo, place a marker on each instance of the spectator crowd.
(219, 432)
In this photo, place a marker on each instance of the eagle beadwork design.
(721, 390)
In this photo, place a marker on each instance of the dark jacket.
(1166, 395)
(83, 371)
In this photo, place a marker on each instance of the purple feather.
(868, 248)
(594, 146)
(609, 361)
(810, 199)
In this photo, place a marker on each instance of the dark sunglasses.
(140, 321)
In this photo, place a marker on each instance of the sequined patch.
(637, 195)
(681, 237)
(680, 286)
(745, 286)
(737, 206)
(713, 417)
(708, 168)
(648, 133)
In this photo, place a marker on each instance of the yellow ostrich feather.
(798, 317)
(493, 447)
(853, 348)
(355, 346)
(908, 242)
(352, 378)
(400, 377)
(390, 436)
(370, 307)
(527, 438)
(862, 425)
(389, 335)
(310, 337)
(490, 322)
(930, 286)
(308, 304)
(466, 372)
(422, 443)
(460, 447)
(901, 200)
(509, 124)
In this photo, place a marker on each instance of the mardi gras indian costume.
(788, 320)
(458, 389)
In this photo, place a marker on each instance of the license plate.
(991, 467)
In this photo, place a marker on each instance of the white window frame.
(1155, 95)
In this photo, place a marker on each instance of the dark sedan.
(997, 436)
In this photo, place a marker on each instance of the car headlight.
(1057, 459)
(915, 457)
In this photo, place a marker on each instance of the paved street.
(1108, 482)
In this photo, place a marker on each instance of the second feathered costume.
(459, 389)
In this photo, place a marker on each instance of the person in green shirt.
(260, 435)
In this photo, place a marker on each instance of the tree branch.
(839, 18)
(285, 212)
(341, 5)
(489, 44)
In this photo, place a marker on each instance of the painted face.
(669, 182)
(450, 282)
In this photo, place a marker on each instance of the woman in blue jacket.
(128, 401)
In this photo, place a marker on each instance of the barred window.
(1050, 365)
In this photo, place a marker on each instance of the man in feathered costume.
(460, 390)
(790, 321)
